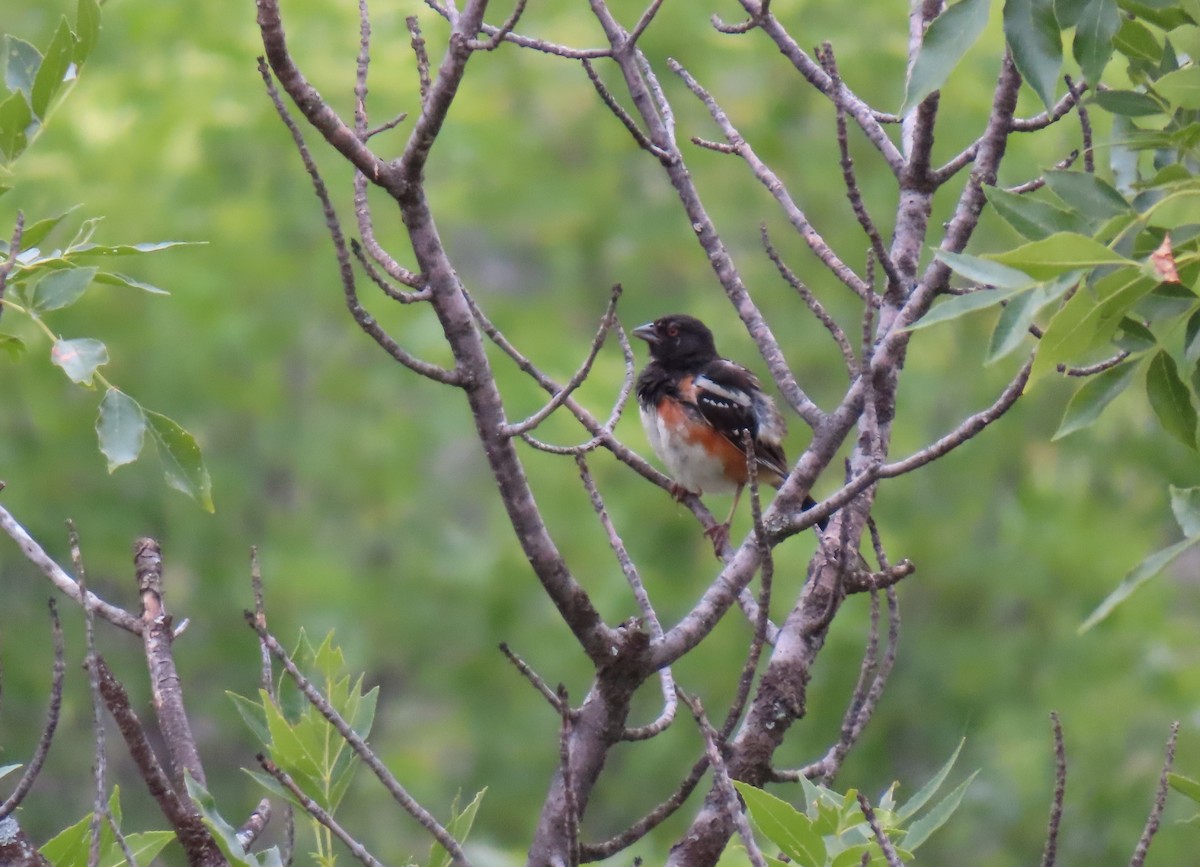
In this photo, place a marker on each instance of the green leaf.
(1185, 786)
(225, 834)
(1170, 400)
(1129, 103)
(35, 233)
(50, 75)
(16, 125)
(459, 827)
(79, 358)
(1191, 340)
(948, 38)
(985, 271)
(121, 428)
(960, 305)
(1033, 37)
(1087, 194)
(181, 458)
(60, 289)
(85, 249)
(1143, 572)
(784, 826)
(1185, 504)
(1018, 315)
(920, 830)
(87, 29)
(1098, 22)
(1136, 42)
(14, 346)
(114, 279)
(8, 769)
(253, 714)
(1057, 254)
(69, 848)
(1093, 396)
(1133, 336)
(909, 809)
(1033, 218)
(1177, 209)
(21, 61)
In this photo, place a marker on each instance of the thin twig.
(619, 112)
(501, 32)
(1085, 126)
(99, 770)
(365, 320)
(254, 825)
(849, 179)
(1060, 788)
(356, 743)
(314, 809)
(606, 323)
(881, 837)
(629, 570)
(818, 310)
(774, 185)
(1040, 181)
(422, 56)
(722, 782)
(1160, 803)
(10, 261)
(1099, 367)
(532, 676)
(643, 826)
(119, 836)
(30, 774)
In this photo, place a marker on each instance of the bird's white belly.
(686, 461)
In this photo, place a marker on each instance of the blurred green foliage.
(374, 514)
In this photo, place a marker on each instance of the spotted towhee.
(697, 408)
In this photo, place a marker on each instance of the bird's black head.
(678, 340)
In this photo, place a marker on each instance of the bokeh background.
(373, 512)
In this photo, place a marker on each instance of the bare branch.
(606, 322)
(418, 47)
(164, 679)
(493, 42)
(620, 113)
(1040, 181)
(1050, 853)
(867, 118)
(34, 767)
(532, 676)
(826, 56)
(630, 571)
(1099, 367)
(356, 743)
(314, 107)
(254, 825)
(638, 29)
(650, 821)
(889, 851)
(775, 186)
(388, 289)
(1060, 110)
(198, 844)
(1160, 803)
(314, 809)
(810, 300)
(364, 319)
(722, 782)
(99, 770)
(571, 811)
(34, 554)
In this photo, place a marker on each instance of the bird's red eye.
(673, 330)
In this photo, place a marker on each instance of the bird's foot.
(718, 534)
(679, 492)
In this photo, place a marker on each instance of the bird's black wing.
(732, 401)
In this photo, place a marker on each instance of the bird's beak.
(647, 333)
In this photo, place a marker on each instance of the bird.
(698, 408)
